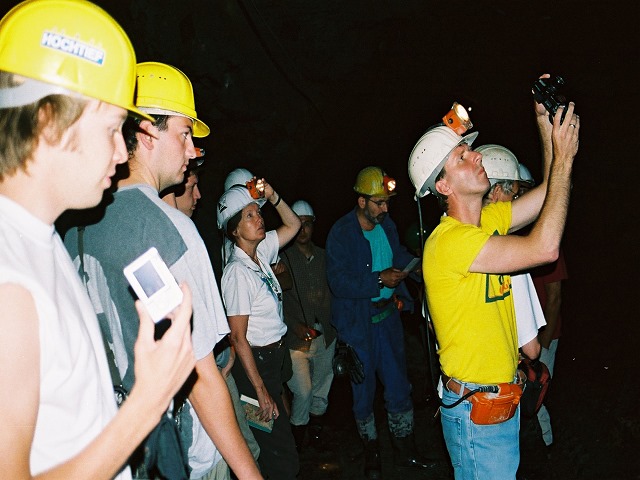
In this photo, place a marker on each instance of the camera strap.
(295, 287)
(119, 390)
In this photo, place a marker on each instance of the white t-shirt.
(250, 290)
(76, 392)
(529, 315)
(228, 245)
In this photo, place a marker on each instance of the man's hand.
(566, 134)
(538, 107)
(301, 331)
(391, 277)
(162, 366)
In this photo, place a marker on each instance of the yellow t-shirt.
(472, 313)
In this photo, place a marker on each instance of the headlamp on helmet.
(374, 182)
(457, 119)
(256, 187)
(389, 184)
(432, 150)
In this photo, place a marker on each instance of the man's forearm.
(549, 228)
(546, 145)
(212, 402)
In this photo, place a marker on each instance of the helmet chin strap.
(28, 92)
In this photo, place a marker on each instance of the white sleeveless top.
(76, 392)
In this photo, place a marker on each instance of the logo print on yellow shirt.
(497, 287)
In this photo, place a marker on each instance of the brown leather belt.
(384, 302)
(271, 346)
(454, 386)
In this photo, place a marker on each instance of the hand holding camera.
(546, 92)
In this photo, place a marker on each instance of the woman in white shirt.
(253, 299)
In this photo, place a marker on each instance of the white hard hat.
(430, 154)
(499, 162)
(301, 208)
(233, 201)
(525, 175)
(239, 176)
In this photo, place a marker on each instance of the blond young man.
(61, 116)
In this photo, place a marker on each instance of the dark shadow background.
(306, 93)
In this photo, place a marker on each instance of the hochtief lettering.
(72, 47)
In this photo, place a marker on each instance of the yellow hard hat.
(373, 181)
(64, 46)
(165, 90)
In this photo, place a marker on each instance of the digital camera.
(546, 92)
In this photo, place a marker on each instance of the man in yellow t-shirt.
(466, 263)
(478, 306)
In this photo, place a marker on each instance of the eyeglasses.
(515, 193)
(380, 203)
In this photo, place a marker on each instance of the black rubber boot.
(405, 453)
(372, 468)
(299, 432)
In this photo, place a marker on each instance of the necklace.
(271, 282)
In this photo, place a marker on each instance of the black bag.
(535, 387)
(164, 454)
(346, 361)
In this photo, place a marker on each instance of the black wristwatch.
(380, 284)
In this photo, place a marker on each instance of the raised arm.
(161, 368)
(509, 253)
(290, 221)
(526, 208)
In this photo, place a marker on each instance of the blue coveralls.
(380, 346)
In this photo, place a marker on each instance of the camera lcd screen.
(149, 279)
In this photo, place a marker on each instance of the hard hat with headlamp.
(374, 182)
(165, 90)
(233, 201)
(499, 162)
(302, 208)
(430, 154)
(239, 176)
(66, 47)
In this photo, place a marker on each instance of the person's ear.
(146, 133)
(362, 201)
(443, 188)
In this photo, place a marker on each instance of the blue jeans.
(311, 380)
(479, 452)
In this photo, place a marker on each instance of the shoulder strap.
(113, 369)
(295, 286)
